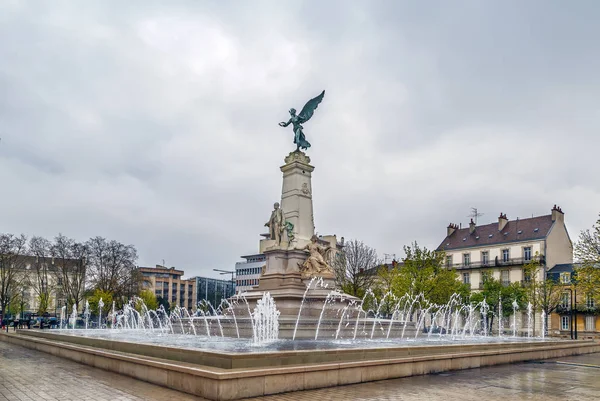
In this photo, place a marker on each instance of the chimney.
(557, 214)
(471, 227)
(502, 221)
(451, 228)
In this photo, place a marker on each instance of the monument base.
(294, 300)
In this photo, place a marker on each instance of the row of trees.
(358, 269)
(66, 266)
(587, 252)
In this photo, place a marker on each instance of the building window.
(505, 255)
(565, 278)
(590, 323)
(589, 301)
(526, 276)
(466, 259)
(565, 299)
(485, 276)
(504, 276)
(527, 253)
(485, 258)
(449, 261)
(564, 322)
(466, 278)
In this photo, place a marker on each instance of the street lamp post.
(571, 313)
(232, 272)
(575, 310)
(22, 304)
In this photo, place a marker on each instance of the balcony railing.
(490, 263)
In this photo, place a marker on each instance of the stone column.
(296, 197)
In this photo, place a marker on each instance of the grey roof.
(563, 268)
(567, 267)
(533, 228)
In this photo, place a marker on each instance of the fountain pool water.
(236, 326)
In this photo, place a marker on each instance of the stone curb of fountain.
(224, 384)
(379, 353)
(225, 374)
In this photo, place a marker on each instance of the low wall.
(229, 384)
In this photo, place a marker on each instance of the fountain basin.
(229, 375)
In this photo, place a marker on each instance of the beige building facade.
(501, 250)
(169, 284)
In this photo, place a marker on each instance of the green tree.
(384, 284)
(44, 300)
(494, 292)
(149, 299)
(532, 282)
(548, 296)
(162, 301)
(424, 273)
(587, 251)
(107, 300)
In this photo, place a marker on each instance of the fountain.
(86, 314)
(294, 330)
(100, 306)
(265, 320)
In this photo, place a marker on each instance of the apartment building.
(169, 284)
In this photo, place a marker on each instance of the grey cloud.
(156, 124)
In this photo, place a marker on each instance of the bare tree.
(355, 267)
(13, 250)
(39, 249)
(70, 263)
(112, 267)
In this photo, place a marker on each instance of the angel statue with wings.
(298, 119)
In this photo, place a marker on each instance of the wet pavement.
(32, 375)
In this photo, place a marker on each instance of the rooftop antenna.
(387, 256)
(474, 214)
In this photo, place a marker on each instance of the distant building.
(169, 284)
(213, 290)
(501, 249)
(248, 272)
(577, 311)
(44, 274)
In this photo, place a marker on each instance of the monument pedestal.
(281, 276)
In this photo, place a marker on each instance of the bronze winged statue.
(298, 119)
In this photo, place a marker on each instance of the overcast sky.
(155, 123)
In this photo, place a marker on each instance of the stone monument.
(294, 254)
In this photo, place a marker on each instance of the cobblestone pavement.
(32, 375)
(571, 378)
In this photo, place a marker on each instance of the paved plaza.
(32, 375)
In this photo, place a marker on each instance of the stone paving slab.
(569, 378)
(32, 375)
